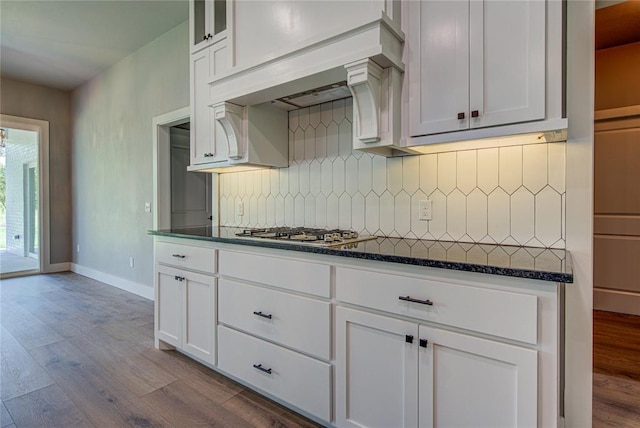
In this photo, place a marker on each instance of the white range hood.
(363, 62)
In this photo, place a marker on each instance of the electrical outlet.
(424, 210)
(240, 209)
(147, 207)
(131, 264)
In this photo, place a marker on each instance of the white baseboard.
(616, 301)
(121, 283)
(58, 267)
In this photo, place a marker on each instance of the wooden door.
(438, 66)
(376, 370)
(507, 62)
(466, 381)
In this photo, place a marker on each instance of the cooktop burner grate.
(324, 237)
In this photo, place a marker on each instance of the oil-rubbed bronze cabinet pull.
(408, 338)
(411, 299)
(424, 343)
(262, 369)
(260, 314)
(460, 116)
(475, 113)
(178, 256)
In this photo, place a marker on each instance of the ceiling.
(63, 44)
(617, 23)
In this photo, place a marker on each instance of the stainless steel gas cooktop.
(305, 235)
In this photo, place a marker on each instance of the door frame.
(41, 127)
(162, 172)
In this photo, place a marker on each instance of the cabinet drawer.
(277, 316)
(310, 278)
(499, 313)
(297, 379)
(186, 256)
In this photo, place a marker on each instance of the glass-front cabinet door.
(208, 18)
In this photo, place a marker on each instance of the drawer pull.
(179, 256)
(262, 369)
(424, 343)
(408, 338)
(179, 278)
(411, 299)
(260, 314)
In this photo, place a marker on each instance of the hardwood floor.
(76, 352)
(616, 370)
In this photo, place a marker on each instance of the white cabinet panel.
(168, 306)
(304, 277)
(468, 307)
(202, 122)
(475, 64)
(376, 370)
(507, 66)
(185, 309)
(302, 381)
(277, 316)
(186, 256)
(200, 314)
(439, 66)
(496, 382)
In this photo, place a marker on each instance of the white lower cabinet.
(186, 311)
(392, 372)
(295, 378)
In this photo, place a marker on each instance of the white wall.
(112, 157)
(508, 195)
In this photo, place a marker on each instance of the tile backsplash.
(507, 195)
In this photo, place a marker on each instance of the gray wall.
(39, 102)
(112, 154)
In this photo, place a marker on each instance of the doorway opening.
(182, 198)
(23, 155)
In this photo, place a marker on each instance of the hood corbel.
(376, 107)
(229, 116)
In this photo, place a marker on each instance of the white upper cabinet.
(481, 64)
(207, 18)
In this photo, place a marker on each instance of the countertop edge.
(541, 275)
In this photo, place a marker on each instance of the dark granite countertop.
(522, 262)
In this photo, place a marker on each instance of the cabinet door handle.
(178, 256)
(424, 343)
(260, 314)
(179, 278)
(460, 116)
(475, 113)
(262, 369)
(408, 338)
(411, 299)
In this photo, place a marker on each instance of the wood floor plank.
(46, 407)
(19, 372)
(134, 372)
(44, 309)
(258, 411)
(5, 417)
(182, 405)
(616, 366)
(105, 402)
(28, 330)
